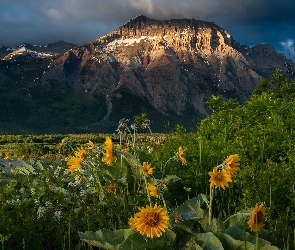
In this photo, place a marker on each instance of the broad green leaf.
(170, 178)
(4, 182)
(238, 234)
(26, 169)
(137, 241)
(39, 166)
(230, 243)
(208, 241)
(123, 180)
(106, 239)
(237, 219)
(133, 200)
(127, 239)
(191, 210)
(191, 245)
(170, 166)
(215, 226)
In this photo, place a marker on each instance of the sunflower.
(90, 145)
(6, 157)
(180, 155)
(153, 190)
(219, 178)
(63, 142)
(124, 148)
(74, 163)
(177, 217)
(80, 153)
(109, 156)
(150, 221)
(232, 164)
(111, 189)
(147, 169)
(256, 217)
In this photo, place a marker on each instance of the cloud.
(53, 13)
(143, 5)
(248, 21)
(288, 48)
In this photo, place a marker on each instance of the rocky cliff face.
(169, 66)
(173, 64)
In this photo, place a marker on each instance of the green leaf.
(4, 182)
(133, 200)
(106, 239)
(137, 241)
(239, 234)
(25, 168)
(208, 241)
(191, 210)
(126, 239)
(170, 166)
(123, 180)
(237, 219)
(170, 178)
(230, 243)
(39, 166)
(191, 245)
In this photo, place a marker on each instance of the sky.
(40, 22)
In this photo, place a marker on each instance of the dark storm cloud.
(79, 21)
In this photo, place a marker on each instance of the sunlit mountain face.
(167, 69)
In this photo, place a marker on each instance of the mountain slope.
(165, 68)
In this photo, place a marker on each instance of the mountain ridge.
(166, 68)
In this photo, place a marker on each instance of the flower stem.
(147, 190)
(210, 205)
(257, 243)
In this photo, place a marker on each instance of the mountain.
(51, 49)
(165, 68)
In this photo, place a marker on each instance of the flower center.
(219, 177)
(151, 219)
(258, 217)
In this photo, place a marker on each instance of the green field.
(229, 184)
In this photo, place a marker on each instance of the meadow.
(228, 184)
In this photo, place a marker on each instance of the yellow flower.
(219, 178)
(78, 177)
(132, 223)
(6, 157)
(177, 217)
(150, 221)
(257, 216)
(109, 151)
(90, 145)
(74, 163)
(124, 148)
(111, 189)
(153, 190)
(147, 169)
(232, 164)
(80, 153)
(180, 155)
(63, 142)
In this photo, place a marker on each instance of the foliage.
(91, 207)
(261, 132)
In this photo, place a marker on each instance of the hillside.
(164, 68)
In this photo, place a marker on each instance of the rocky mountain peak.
(168, 67)
(174, 64)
